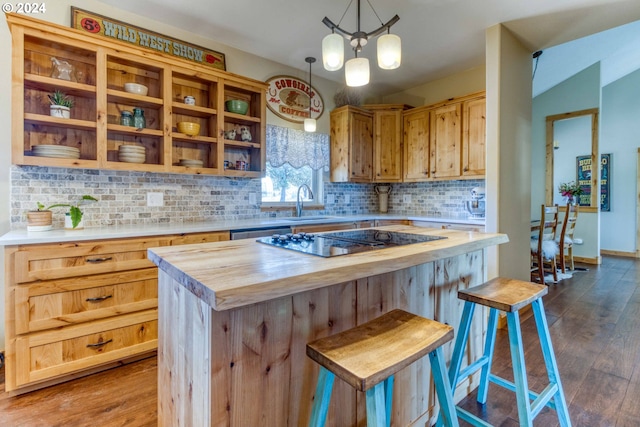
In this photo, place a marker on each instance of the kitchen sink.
(306, 218)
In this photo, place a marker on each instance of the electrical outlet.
(331, 199)
(252, 198)
(155, 199)
(406, 198)
(347, 199)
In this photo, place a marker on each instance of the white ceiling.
(439, 37)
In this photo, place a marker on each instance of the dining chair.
(565, 241)
(544, 248)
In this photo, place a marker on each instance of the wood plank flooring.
(594, 319)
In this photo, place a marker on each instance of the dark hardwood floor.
(594, 319)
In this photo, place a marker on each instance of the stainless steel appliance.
(344, 242)
(258, 232)
(476, 205)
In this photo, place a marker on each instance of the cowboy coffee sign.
(106, 27)
(290, 98)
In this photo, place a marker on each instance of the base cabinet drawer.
(64, 302)
(46, 355)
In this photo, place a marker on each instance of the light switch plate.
(252, 198)
(406, 198)
(155, 199)
(331, 199)
(347, 199)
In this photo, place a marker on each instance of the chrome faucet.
(299, 204)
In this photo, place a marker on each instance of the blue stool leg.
(322, 398)
(388, 393)
(443, 388)
(376, 406)
(519, 369)
(489, 345)
(461, 342)
(550, 360)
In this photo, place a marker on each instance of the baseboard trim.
(597, 260)
(620, 253)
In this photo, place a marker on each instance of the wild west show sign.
(106, 27)
(289, 98)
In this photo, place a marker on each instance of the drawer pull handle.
(99, 344)
(108, 258)
(98, 299)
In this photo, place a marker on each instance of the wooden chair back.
(565, 243)
(547, 247)
(548, 224)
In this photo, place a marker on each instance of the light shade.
(333, 52)
(356, 72)
(309, 125)
(389, 51)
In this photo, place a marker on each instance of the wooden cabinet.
(74, 308)
(474, 137)
(387, 141)
(445, 140)
(351, 145)
(100, 69)
(366, 143)
(445, 131)
(416, 145)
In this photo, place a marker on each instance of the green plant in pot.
(75, 213)
(61, 104)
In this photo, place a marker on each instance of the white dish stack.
(58, 151)
(191, 163)
(132, 153)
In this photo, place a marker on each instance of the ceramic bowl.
(237, 106)
(136, 88)
(189, 128)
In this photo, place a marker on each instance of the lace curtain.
(298, 148)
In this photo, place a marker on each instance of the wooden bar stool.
(508, 295)
(368, 356)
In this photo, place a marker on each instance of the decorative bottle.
(139, 121)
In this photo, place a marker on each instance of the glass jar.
(126, 118)
(138, 118)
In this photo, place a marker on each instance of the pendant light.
(310, 123)
(389, 50)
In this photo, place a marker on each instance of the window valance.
(296, 147)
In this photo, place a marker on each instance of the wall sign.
(583, 178)
(288, 98)
(102, 26)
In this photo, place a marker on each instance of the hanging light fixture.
(310, 123)
(357, 69)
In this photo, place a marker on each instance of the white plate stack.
(132, 153)
(58, 151)
(191, 163)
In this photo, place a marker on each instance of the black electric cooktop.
(344, 242)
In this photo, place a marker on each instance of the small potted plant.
(73, 218)
(571, 191)
(61, 105)
(40, 219)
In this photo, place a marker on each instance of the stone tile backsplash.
(122, 197)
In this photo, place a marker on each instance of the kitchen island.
(234, 319)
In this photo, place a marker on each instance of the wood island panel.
(231, 348)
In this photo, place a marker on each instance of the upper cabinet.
(366, 143)
(92, 72)
(351, 145)
(446, 140)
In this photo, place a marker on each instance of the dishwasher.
(258, 232)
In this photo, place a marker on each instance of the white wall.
(460, 84)
(238, 62)
(620, 136)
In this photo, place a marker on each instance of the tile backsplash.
(122, 196)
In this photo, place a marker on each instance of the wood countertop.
(233, 274)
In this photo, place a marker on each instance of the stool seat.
(369, 353)
(367, 357)
(504, 294)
